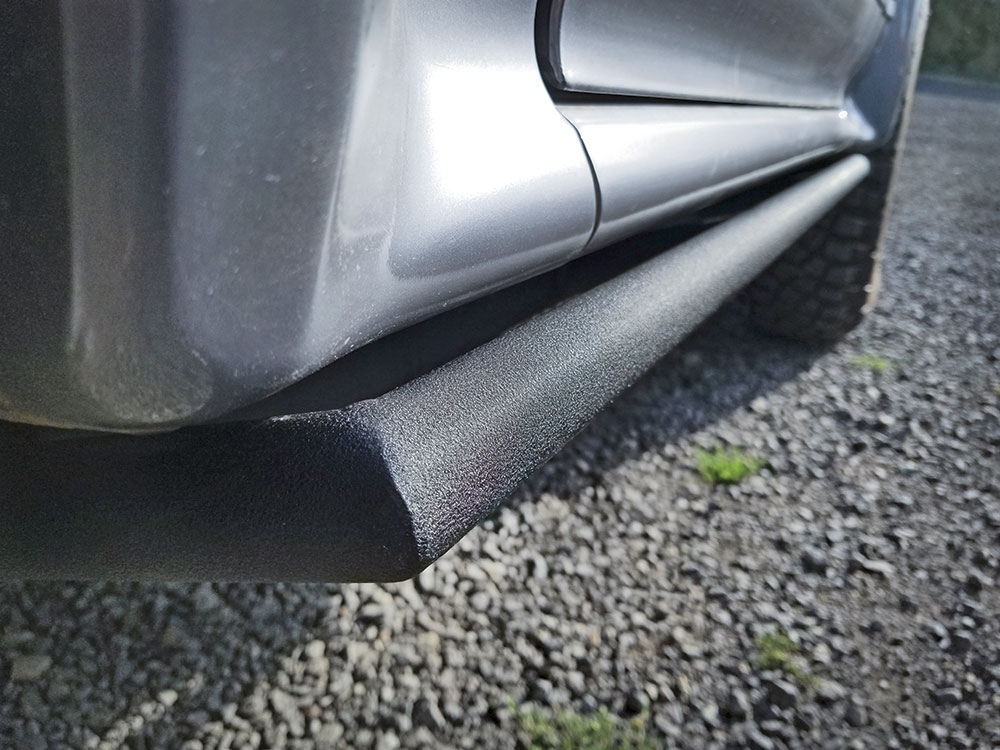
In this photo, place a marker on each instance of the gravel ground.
(617, 577)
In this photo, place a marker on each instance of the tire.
(824, 285)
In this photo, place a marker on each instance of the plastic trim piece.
(381, 488)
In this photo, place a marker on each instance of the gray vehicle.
(303, 289)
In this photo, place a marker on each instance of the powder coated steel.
(381, 488)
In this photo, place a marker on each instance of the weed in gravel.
(568, 730)
(778, 651)
(727, 465)
(872, 362)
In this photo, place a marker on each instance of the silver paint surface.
(654, 161)
(258, 188)
(893, 68)
(791, 52)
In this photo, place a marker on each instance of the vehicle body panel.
(792, 52)
(258, 187)
(254, 189)
(655, 161)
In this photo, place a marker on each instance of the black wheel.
(822, 286)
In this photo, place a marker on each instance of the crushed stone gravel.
(618, 578)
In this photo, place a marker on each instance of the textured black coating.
(306, 497)
(460, 439)
(381, 488)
